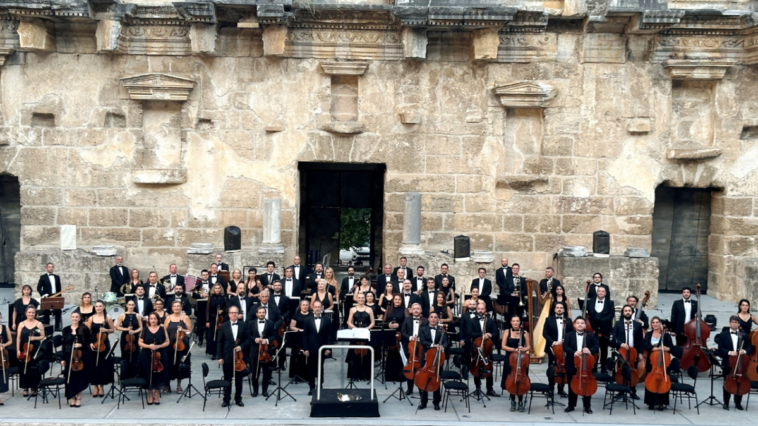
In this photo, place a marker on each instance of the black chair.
(615, 390)
(53, 385)
(131, 384)
(497, 364)
(753, 390)
(214, 386)
(58, 354)
(683, 390)
(454, 387)
(544, 390)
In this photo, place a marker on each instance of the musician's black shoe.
(265, 394)
(726, 407)
(521, 407)
(491, 392)
(562, 394)
(225, 404)
(568, 409)
(588, 410)
(436, 406)
(513, 406)
(422, 406)
(272, 383)
(310, 392)
(634, 396)
(409, 392)
(213, 358)
(255, 394)
(738, 406)
(240, 403)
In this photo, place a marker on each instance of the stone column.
(272, 227)
(412, 225)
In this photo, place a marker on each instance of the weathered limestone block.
(274, 40)
(272, 227)
(485, 44)
(414, 43)
(693, 69)
(604, 48)
(638, 126)
(34, 35)
(203, 38)
(108, 35)
(412, 224)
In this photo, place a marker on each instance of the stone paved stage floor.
(258, 411)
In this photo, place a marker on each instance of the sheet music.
(403, 357)
(354, 333)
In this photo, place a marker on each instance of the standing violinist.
(176, 324)
(578, 342)
(317, 332)
(432, 336)
(101, 326)
(409, 332)
(512, 344)
(657, 340)
(262, 332)
(129, 324)
(638, 314)
(682, 311)
(75, 337)
(153, 341)
(729, 342)
(554, 332)
(484, 327)
(232, 338)
(214, 315)
(6, 341)
(30, 332)
(601, 312)
(628, 334)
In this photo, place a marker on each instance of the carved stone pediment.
(698, 69)
(158, 87)
(525, 94)
(344, 68)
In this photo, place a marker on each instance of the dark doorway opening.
(341, 206)
(681, 225)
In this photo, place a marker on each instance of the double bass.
(752, 371)
(428, 378)
(584, 383)
(517, 382)
(697, 332)
(658, 381)
(639, 310)
(736, 382)
(588, 326)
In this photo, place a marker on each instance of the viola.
(658, 381)
(559, 368)
(414, 361)
(481, 364)
(263, 355)
(517, 382)
(697, 333)
(179, 345)
(752, 371)
(737, 382)
(428, 378)
(588, 326)
(239, 360)
(584, 383)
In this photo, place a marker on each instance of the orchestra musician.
(427, 297)
(243, 302)
(262, 332)
(632, 301)
(234, 282)
(601, 312)
(169, 281)
(177, 323)
(298, 361)
(20, 305)
(443, 274)
(154, 289)
(443, 311)
(510, 344)
(431, 336)
(729, 342)
(517, 289)
(409, 298)
(484, 286)
(215, 311)
(290, 284)
(154, 339)
(86, 309)
(503, 280)
(446, 289)
(158, 308)
(102, 373)
(557, 325)
(400, 276)
(318, 273)
(129, 323)
(253, 283)
(298, 272)
(282, 303)
(407, 272)
(200, 294)
(572, 347)
(394, 318)
(410, 332)
(480, 326)
(388, 277)
(597, 282)
(682, 311)
(746, 318)
(134, 282)
(220, 264)
(360, 316)
(323, 296)
(385, 299)
(233, 337)
(268, 277)
(75, 337)
(371, 304)
(316, 333)
(271, 311)
(419, 281)
(627, 333)
(48, 285)
(214, 277)
(119, 276)
(142, 305)
(558, 295)
(549, 282)
(180, 296)
(32, 332)
(5, 343)
(653, 343)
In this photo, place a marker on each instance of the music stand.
(295, 336)
(279, 389)
(48, 303)
(113, 390)
(386, 336)
(711, 400)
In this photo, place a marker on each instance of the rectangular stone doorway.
(341, 206)
(681, 225)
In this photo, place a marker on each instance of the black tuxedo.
(440, 338)
(550, 333)
(312, 283)
(160, 289)
(406, 332)
(295, 287)
(474, 331)
(569, 349)
(346, 288)
(44, 287)
(186, 307)
(269, 332)
(438, 281)
(222, 266)
(543, 285)
(313, 340)
(484, 292)
(415, 284)
(167, 282)
(465, 318)
(381, 282)
(268, 280)
(726, 345)
(225, 344)
(414, 298)
(601, 325)
(678, 315)
(300, 275)
(513, 301)
(619, 335)
(219, 280)
(283, 305)
(248, 301)
(118, 278)
(273, 313)
(503, 276)
(408, 272)
(593, 291)
(643, 317)
(426, 305)
(147, 305)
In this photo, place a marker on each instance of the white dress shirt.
(687, 310)
(416, 324)
(579, 342)
(599, 305)
(52, 283)
(288, 287)
(559, 322)
(234, 330)
(261, 326)
(317, 321)
(629, 331)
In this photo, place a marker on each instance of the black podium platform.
(329, 406)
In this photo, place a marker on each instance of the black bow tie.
(407, 295)
(431, 291)
(628, 322)
(234, 324)
(289, 279)
(173, 276)
(580, 334)
(317, 318)
(261, 322)
(416, 319)
(734, 332)
(599, 301)
(686, 301)
(481, 317)
(351, 276)
(49, 275)
(559, 318)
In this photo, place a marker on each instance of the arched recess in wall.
(10, 226)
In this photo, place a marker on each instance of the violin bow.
(99, 335)
(2, 357)
(71, 361)
(28, 347)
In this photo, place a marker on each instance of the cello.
(584, 383)
(587, 325)
(736, 382)
(414, 362)
(697, 332)
(641, 307)
(517, 382)
(657, 381)
(480, 365)
(627, 358)
(559, 365)
(752, 371)
(428, 378)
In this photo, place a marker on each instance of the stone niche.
(159, 160)
(345, 97)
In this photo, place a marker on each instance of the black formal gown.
(745, 326)
(20, 308)
(174, 371)
(102, 364)
(215, 303)
(359, 366)
(131, 357)
(298, 362)
(28, 372)
(511, 342)
(84, 316)
(78, 380)
(154, 380)
(3, 376)
(393, 368)
(650, 397)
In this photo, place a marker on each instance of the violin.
(697, 333)
(481, 364)
(239, 360)
(657, 380)
(76, 357)
(219, 319)
(130, 341)
(588, 326)
(263, 355)
(752, 371)
(559, 368)
(428, 378)
(102, 338)
(414, 362)
(737, 383)
(517, 382)
(179, 345)
(155, 361)
(584, 382)
(25, 354)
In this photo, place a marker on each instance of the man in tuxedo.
(409, 332)
(642, 320)
(142, 305)
(215, 278)
(243, 302)
(219, 264)
(682, 311)
(49, 284)
(503, 279)
(348, 283)
(481, 326)
(179, 295)
(298, 270)
(268, 277)
(233, 338)
(317, 332)
(627, 333)
(407, 272)
(200, 293)
(427, 298)
(431, 336)
(601, 312)
(262, 332)
(576, 343)
(469, 314)
(387, 277)
(419, 281)
(517, 290)
(318, 273)
(597, 282)
(485, 288)
(409, 298)
(549, 282)
(119, 276)
(290, 284)
(557, 325)
(443, 273)
(170, 280)
(282, 303)
(155, 289)
(729, 342)
(271, 311)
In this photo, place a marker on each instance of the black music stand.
(113, 390)
(279, 389)
(187, 366)
(294, 336)
(711, 400)
(402, 395)
(478, 394)
(387, 339)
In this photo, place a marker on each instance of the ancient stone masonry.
(526, 125)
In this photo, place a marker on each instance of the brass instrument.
(127, 288)
(518, 290)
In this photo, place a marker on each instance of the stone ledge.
(525, 94)
(158, 87)
(160, 176)
(698, 69)
(344, 68)
(520, 182)
(692, 154)
(343, 127)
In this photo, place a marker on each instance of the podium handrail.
(332, 348)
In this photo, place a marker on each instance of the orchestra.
(245, 325)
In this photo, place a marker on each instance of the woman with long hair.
(385, 299)
(656, 340)
(559, 295)
(76, 337)
(101, 325)
(361, 316)
(176, 323)
(394, 318)
(85, 309)
(153, 341)
(31, 332)
(216, 313)
(510, 344)
(236, 279)
(20, 305)
(746, 318)
(129, 324)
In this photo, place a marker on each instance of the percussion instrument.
(109, 298)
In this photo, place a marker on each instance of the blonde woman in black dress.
(32, 332)
(76, 337)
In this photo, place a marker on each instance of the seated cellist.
(573, 346)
